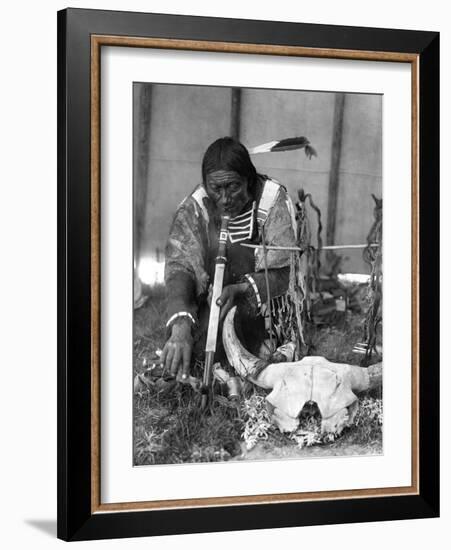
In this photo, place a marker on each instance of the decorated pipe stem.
(213, 323)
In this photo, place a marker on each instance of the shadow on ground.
(47, 526)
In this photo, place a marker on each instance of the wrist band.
(180, 314)
(255, 288)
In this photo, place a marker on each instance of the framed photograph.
(248, 274)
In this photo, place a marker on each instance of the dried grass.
(169, 426)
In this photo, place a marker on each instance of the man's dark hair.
(228, 153)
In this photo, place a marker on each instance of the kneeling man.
(259, 208)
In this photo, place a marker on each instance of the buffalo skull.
(332, 386)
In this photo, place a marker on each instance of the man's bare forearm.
(181, 294)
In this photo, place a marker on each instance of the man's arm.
(278, 279)
(185, 279)
(181, 296)
(185, 257)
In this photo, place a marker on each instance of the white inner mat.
(120, 481)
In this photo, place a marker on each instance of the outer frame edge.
(429, 195)
(425, 505)
(176, 522)
(62, 496)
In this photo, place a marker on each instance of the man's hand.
(229, 297)
(177, 351)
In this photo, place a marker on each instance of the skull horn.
(266, 375)
(245, 364)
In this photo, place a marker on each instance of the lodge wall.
(174, 124)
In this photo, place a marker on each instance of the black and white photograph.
(257, 274)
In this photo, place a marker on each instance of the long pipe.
(213, 322)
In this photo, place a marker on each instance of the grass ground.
(169, 426)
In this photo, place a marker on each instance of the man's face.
(228, 190)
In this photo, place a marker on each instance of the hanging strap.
(267, 201)
(199, 195)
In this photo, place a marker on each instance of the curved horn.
(363, 379)
(245, 364)
(375, 376)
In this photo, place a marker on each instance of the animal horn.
(245, 364)
(375, 376)
(363, 379)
